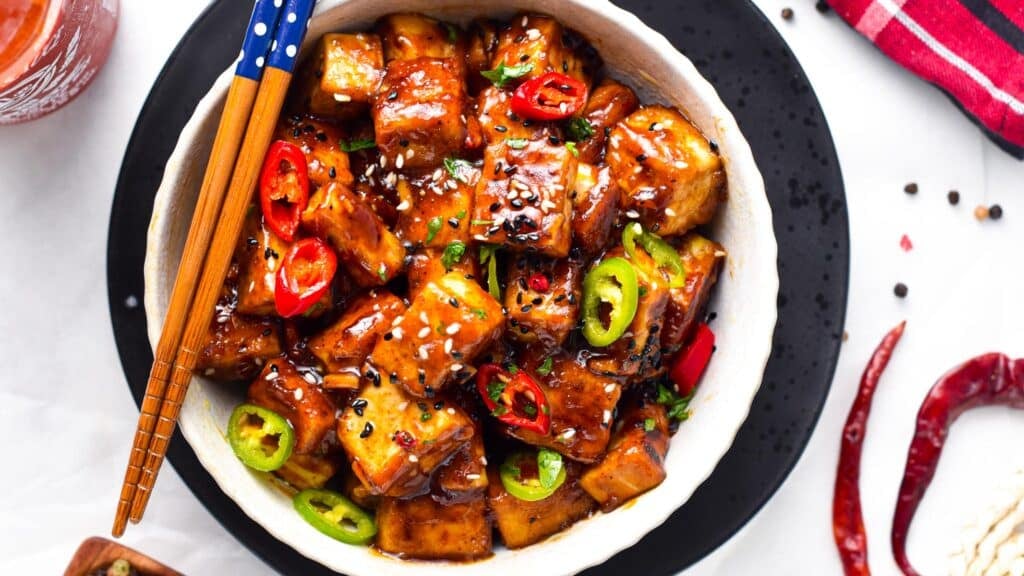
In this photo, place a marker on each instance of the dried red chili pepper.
(991, 379)
(847, 520)
(539, 283)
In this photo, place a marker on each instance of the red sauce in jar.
(20, 22)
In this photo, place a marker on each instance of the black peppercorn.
(953, 197)
(995, 212)
(900, 290)
(910, 188)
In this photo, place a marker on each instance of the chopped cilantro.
(489, 256)
(356, 145)
(453, 254)
(579, 129)
(678, 407)
(480, 313)
(545, 368)
(433, 227)
(382, 272)
(461, 214)
(648, 424)
(424, 416)
(481, 222)
(455, 166)
(517, 143)
(502, 74)
(571, 146)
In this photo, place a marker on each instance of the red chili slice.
(305, 275)
(515, 399)
(693, 360)
(553, 96)
(284, 188)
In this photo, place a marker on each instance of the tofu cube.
(419, 113)
(259, 254)
(545, 316)
(522, 199)
(482, 40)
(703, 260)
(639, 349)
(499, 123)
(305, 471)
(437, 207)
(666, 169)
(522, 523)
(581, 405)
(449, 323)
(340, 79)
(237, 346)
(282, 389)
(408, 36)
(542, 42)
(392, 448)
(425, 529)
(342, 348)
(635, 460)
(595, 207)
(372, 253)
(609, 103)
(426, 266)
(464, 477)
(326, 162)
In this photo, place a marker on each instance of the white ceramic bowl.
(745, 299)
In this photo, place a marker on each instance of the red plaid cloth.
(971, 49)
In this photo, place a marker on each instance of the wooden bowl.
(99, 552)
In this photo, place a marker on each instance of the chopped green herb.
(480, 313)
(383, 273)
(461, 214)
(549, 466)
(455, 166)
(517, 143)
(571, 146)
(424, 416)
(530, 409)
(499, 411)
(678, 407)
(481, 222)
(513, 369)
(433, 227)
(356, 145)
(489, 256)
(545, 368)
(453, 32)
(579, 129)
(641, 292)
(648, 424)
(440, 328)
(453, 254)
(502, 74)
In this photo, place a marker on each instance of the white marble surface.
(66, 416)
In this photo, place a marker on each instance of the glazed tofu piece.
(450, 322)
(425, 529)
(352, 487)
(499, 123)
(543, 316)
(609, 103)
(522, 523)
(418, 116)
(595, 206)
(639, 348)
(436, 207)
(635, 460)
(320, 142)
(281, 388)
(428, 265)
(580, 404)
(305, 471)
(372, 253)
(237, 346)
(464, 477)
(393, 449)
(667, 170)
(259, 254)
(409, 36)
(702, 260)
(341, 77)
(522, 199)
(481, 42)
(343, 347)
(542, 42)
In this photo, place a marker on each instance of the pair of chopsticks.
(275, 33)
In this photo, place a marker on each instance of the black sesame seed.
(910, 188)
(273, 368)
(519, 297)
(296, 133)
(559, 298)
(554, 140)
(321, 136)
(393, 95)
(526, 308)
(252, 242)
(713, 145)
(565, 66)
(268, 332)
(393, 377)
(453, 222)
(309, 129)
(900, 290)
(428, 391)
(495, 207)
(511, 170)
(995, 212)
(517, 203)
(422, 406)
(641, 157)
(421, 376)
(439, 404)
(524, 57)
(953, 197)
(403, 143)
(388, 336)
(453, 302)
(822, 6)
(500, 128)
(367, 430)
(520, 39)
(524, 330)
(537, 301)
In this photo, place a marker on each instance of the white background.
(66, 417)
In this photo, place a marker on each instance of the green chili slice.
(262, 439)
(532, 477)
(665, 257)
(612, 282)
(335, 516)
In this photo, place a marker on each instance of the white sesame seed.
(520, 186)
(403, 206)
(720, 253)
(656, 126)
(609, 388)
(453, 329)
(397, 333)
(309, 377)
(423, 352)
(403, 405)
(399, 161)
(423, 333)
(210, 372)
(456, 367)
(448, 346)
(526, 20)
(369, 170)
(681, 165)
(638, 169)
(513, 194)
(450, 411)
(451, 184)
(423, 317)
(342, 97)
(409, 153)
(383, 161)
(670, 212)
(270, 376)
(472, 476)
(391, 178)
(413, 458)
(297, 394)
(568, 433)
(548, 205)
(562, 107)
(437, 175)
(606, 416)
(397, 320)
(533, 34)
(632, 214)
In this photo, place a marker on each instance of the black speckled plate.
(736, 48)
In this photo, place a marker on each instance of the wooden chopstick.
(234, 119)
(270, 98)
